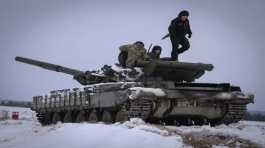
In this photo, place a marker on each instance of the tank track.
(41, 118)
(235, 112)
(142, 109)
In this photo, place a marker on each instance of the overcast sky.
(86, 35)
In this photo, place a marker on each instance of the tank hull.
(193, 103)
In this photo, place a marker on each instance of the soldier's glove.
(189, 35)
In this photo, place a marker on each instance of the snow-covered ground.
(28, 133)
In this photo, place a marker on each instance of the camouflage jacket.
(134, 53)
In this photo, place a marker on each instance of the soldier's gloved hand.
(189, 35)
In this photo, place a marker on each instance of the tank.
(155, 90)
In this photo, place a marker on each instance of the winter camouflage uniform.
(135, 53)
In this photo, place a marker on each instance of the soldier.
(131, 53)
(178, 29)
(155, 53)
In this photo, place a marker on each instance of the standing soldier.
(131, 53)
(178, 29)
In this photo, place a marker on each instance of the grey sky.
(86, 35)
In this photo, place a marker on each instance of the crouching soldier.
(155, 53)
(131, 53)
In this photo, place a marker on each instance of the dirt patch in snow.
(198, 140)
(209, 140)
(240, 135)
(205, 136)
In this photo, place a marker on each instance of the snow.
(139, 124)
(125, 72)
(28, 133)
(114, 83)
(98, 135)
(137, 91)
(118, 68)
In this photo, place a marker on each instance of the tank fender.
(247, 97)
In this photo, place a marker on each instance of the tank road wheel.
(107, 117)
(44, 118)
(81, 117)
(47, 118)
(56, 118)
(41, 118)
(93, 117)
(121, 115)
(68, 117)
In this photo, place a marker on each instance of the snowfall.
(28, 133)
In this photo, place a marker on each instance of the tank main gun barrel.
(50, 66)
(84, 78)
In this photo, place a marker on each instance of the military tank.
(155, 90)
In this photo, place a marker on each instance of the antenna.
(149, 48)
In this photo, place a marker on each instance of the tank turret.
(173, 71)
(166, 70)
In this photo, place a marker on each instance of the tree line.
(254, 116)
(15, 103)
